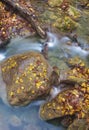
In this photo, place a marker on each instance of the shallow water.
(23, 118)
(58, 47)
(27, 118)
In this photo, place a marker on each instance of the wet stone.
(26, 77)
(72, 101)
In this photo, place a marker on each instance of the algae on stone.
(65, 24)
(54, 3)
(72, 11)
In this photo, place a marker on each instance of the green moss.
(49, 15)
(54, 3)
(65, 24)
(74, 12)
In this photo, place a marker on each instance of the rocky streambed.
(67, 98)
(73, 72)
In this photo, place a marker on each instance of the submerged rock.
(26, 77)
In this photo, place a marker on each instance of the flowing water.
(27, 118)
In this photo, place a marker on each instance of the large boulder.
(26, 77)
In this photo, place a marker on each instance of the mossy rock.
(26, 77)
(73, 12)
(54, 3)
(65, 24)
(69, 101)
(49, 15)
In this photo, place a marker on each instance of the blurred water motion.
(23, 118)
(2, 57)
(19, 45)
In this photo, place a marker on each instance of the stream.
(27, 118)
